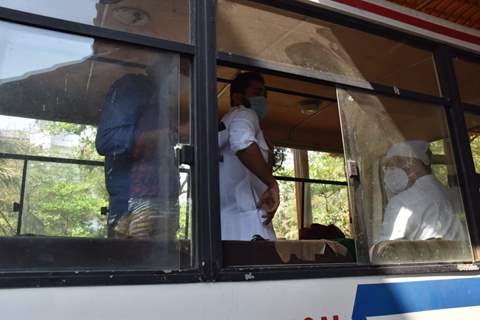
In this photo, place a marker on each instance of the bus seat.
(418, 251)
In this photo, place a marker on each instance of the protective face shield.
(259, 105)
(395, 180)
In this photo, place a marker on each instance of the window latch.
(184, 154)
(16, 207)
(352, 169)
(104, 211)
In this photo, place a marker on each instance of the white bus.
(345, 79)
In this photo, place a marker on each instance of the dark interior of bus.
(308, 123)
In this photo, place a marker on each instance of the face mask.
(259, 105)
(395, 180)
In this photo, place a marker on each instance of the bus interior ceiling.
(304, 115)
(288, 124)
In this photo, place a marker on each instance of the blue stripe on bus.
(397, 298)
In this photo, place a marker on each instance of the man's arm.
(116, 129)
(251, 158)
(242, 130)
(270, 154)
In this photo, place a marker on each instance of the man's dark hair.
(242, 81)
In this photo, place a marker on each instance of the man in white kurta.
(248, 192)
(421, 208)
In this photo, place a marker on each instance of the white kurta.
(240, 189)
(423, 211)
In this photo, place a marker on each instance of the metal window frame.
(205, 178)
(471, 58)
(453, 113)
(471, 108)
(283, 272)
(202, 55)
(207, 238)
(460, 143)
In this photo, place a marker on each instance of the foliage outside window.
(329, 203)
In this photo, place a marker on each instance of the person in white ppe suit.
(420, 207)
(249, 195)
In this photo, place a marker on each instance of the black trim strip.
(341, 270)
(466, 55)
(460, 144)
(290, 92)
(22, 197)
(205, 126)
(54, 24)
(307, 180)
(50, 159)
(119, 62)
(20, 279)
(471, 108)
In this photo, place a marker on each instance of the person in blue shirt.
(134, 136)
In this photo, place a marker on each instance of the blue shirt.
(116, 136)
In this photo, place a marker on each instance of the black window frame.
(449, 101)
(206, 212)
(200, 52)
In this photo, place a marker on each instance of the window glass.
(31, 136)
(10, 189)
(466, 71)
(287, 216)
(95, 124)
(473, 126)
(64, 200)
(326, 166)
(323, 202)
(161, 19)
(404, 185)
(313, 46)
(312, 222)
(328, 205)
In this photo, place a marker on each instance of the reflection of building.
(38, 140)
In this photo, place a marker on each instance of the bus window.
(312, 47)
(89, 176)
(473, 126)
(465, 72)
(161, 19)
(312, 223)
(408, 206)
(303, 203)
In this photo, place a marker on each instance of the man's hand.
(270, 200)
